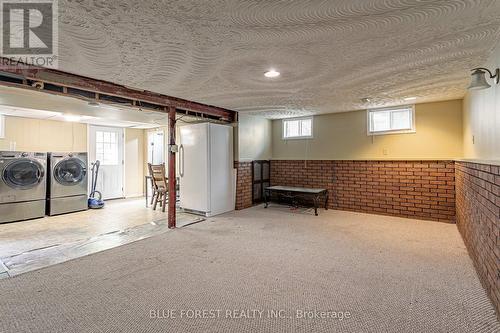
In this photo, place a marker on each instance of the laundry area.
(82, 171)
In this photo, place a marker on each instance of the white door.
(106, 145)
(156, 147)
(156, 151)
(194, 167)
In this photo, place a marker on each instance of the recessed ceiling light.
(272, 73)
(410, 98)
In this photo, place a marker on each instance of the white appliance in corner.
(206, 169)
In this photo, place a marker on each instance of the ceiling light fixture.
(479, 81)
(366, 100)
(272, 74)
(410, 98)
(72, 117)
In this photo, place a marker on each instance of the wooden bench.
(296, 193)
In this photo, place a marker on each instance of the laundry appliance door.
(69, 177)
(23, 179)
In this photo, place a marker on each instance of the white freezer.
(206, 169)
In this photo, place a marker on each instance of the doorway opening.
(156, 147)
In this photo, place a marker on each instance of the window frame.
(300, 137)
(412, 128)
(2, 126)
(111, 143)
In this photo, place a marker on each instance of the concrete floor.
(33, 244)
(389, 274)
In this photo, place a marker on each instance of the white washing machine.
(22, 185)
(68, 183)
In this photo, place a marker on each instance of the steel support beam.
(172, 180)
(67, 80)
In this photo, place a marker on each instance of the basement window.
(2, 126)
(298, 128)
(391, 120)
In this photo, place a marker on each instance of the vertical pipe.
(172, 195)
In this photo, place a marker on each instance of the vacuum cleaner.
(95, 197)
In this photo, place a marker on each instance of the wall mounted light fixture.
(479, 81)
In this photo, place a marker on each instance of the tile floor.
(30, 245)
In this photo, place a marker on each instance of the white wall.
(38, 135)
(482, 118)
(254, 138)
(134, 162)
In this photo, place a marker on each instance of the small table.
(295, 193)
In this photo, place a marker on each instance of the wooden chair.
(160, 184)
(153, 187)
(150, 179)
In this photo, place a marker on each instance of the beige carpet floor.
(380, 274)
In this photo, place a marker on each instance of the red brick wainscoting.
(415, 189)
(243, 184)
(478, 220)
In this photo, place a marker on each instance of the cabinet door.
(261, 175)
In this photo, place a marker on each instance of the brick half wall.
(478, 220)
(414, 189)
(243, 185)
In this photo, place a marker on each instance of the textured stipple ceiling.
(331, 53)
